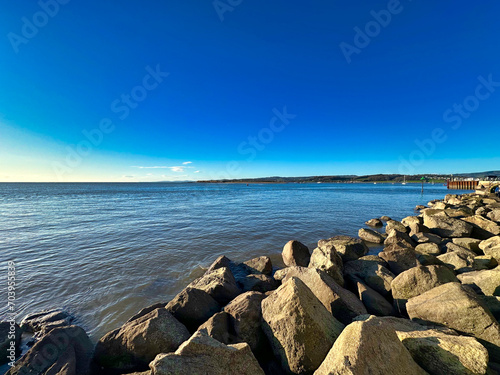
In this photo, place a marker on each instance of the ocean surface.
(104, 251)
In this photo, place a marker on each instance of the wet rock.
(135, 344)
(295, 254)
(193, 307)
(349, 248)
(340, 302)
(445, 226)
(203, 355)
(373, 271)
(485, 281)
(302, 336)
(376, 223)
(369, 347)
(419, 280)
(261, 264)
(370, 235)
(65, 350)
(385, 218)
(457, 307)
(220, 284)
(43, 321)
(328, 260)
(400, 260)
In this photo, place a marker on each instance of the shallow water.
(104, 251)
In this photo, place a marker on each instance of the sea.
(103, 251)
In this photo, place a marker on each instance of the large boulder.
(400, 238)
(295, 254)
(374, 271)
(494, 215)
(393, 224)
(65, 350)
(258, 283)
(445, 226)
(469, 243)
(340, 302)
(220, 284)
(301, 330)
(375, 223)
(43, 321)
(419, 280)
(459, 261)
(10, 338)
(328, 260)
(261, 264)
(135, 344)
(458, 307)
(203, 355)
(491, 247)
(423, 237)
(370, 235)
(438, 350)
(245, 315)
(428, 248)
(219, 327)
(486, 281)
(349, 248)
(192, 307)
(374, 302)
(369, 347)
(400, 260)
(483, 228)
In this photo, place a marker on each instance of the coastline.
(455, 240)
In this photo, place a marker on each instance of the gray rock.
(43, 321)
(295, 254)
(340, 302)
(458, 307)
(261, 264)
(220, 328)
(258, 283)
(458, 261)
(302, 336)
(400, 260)
(349, 248)
(491, 247)
(419, 280)
(135, 344)
(328, 260)
(369, 347)
(370, 235)
(65, 350)
(399, 238)
(220, 284)
(421, 237)
(428, 248)
(393, 224)
(374, 302)
(376, 223)
(203, 355)
(485, 281)
(469, 243)
(445, 226)
(193, 307)
(373, 271)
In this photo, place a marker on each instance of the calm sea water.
(104, 251)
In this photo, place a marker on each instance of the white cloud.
(187, 162)
(155, 167)
(177, 169)
(196, 171)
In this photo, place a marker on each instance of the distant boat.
(374, 183)
(404, 181)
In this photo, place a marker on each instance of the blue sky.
(176, 90)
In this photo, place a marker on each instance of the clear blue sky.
(253, 89)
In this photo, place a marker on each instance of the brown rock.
(295, 254)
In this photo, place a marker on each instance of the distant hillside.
(478, 174)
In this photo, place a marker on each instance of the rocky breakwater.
(428, 303)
